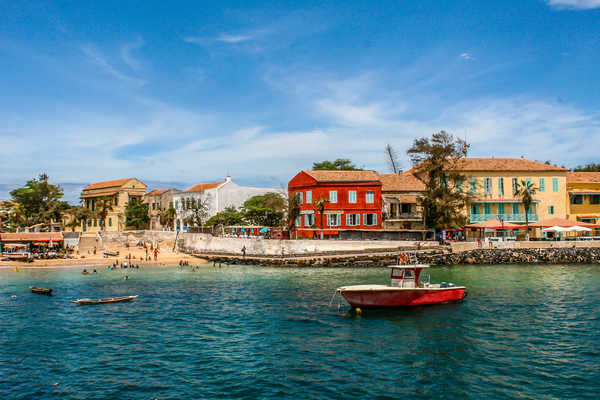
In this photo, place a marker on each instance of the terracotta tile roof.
(157, 192)
(27, 237)
(107, 184)
(204, 186)
(343, 176)
(583, 177)
(503, 164)
(564, 223)
(404, 182)
(97, 194)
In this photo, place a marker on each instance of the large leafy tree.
(229, 216)
(266, 210)
(167, 216)
(525, 191)
(136, 214)
(341, 164)
(436, 160)
(41, 202)
(591, 167)
(77, 214)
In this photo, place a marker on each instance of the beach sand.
(166, 256)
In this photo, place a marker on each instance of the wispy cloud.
(233, 38)
(466, 56)
(574, 4)
(98, 59)
(127, 53)
(223, 38)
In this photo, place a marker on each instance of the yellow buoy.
(358, 311)
(16, 269)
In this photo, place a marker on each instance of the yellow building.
(492, 183)
(583, 196)
(119, 192)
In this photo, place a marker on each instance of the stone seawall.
(380, 259)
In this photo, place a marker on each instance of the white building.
(216, 195)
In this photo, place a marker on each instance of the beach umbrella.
(263, 230)
(577, 228)
(556, 229)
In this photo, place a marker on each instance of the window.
(474, 209)
(577, 199)
(109, 221)
(334, 220)
(154, 206)
(459, 186)
(116, 200)
(309, 197)
(93, 205)
(370, 197)
(333, 196)
(405, 208)
(515, 208)
(352, 196)
(299, 196)
(352, 219)
(595, 199)
(542, 185)
(298, 221)
(501, 186)
(473, 184)
(527, 180)
(550, 209)
(176, 204)
(309, 219)
(370, 219)
(515, 186)
(555, 184)
(487, 208)
(501, 208)
(95, 222)
(487, 185)
(90, 222)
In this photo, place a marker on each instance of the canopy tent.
(556, 229)
(578, 229)
(563, 223)
(494, 224)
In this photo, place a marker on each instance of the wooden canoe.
(103, 301)
(40, 290)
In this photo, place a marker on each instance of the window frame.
(370, 193)
(352, 196)
(333, 196)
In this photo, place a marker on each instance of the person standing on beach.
(155, 254)
(244, 251)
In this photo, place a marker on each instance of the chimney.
(228, 178)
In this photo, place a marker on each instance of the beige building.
(119, 192)
(583, 196)
(161, 199)
(401, 210)
(492, 183)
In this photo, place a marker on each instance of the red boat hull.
(402, 298)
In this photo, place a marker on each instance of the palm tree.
(320, 206)
(293, 211)
(525, 191)
(77, 214)
(166, 216)
(104, 205)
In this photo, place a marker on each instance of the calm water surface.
(247, 332)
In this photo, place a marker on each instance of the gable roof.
(107, 184)
(583, 177)
(204, 186)
(157, 192)
(343, 176)
(504, 164)
(403, 182)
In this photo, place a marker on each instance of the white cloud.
(127, 53)
(233, 38)
(466, 56)
(224, 38)
(98, 59)
(574, 4)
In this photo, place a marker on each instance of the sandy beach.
(166, 256)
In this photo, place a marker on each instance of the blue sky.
(177, 93)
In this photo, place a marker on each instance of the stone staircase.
(88, 241)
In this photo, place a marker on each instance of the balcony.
(404, 217)
(505, 217)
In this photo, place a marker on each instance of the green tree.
(293, 211)
(341, 164)
(77, 214)
(227, 217)
(197, 211)
(320, 206)
(103, 206)
(41, 202)
(265, 210)
(591, 167)
(136, 214)
(167, 216)
(17, 217)
(436, 161)
(525, 191)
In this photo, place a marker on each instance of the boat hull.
(392, 297)
(84, 302)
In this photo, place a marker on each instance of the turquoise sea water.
(530, 332)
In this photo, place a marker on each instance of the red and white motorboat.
(405, 290)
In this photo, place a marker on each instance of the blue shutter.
(555, 184)
(542, 185)
(515, 208)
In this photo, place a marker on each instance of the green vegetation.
(198, 212)
(167, 216)
(38, 202)
(320, 206)
(104, 205)
(591, 167)
(525, 191)
(77, 214)
(136, 214)
(227, 217)
(265, 210)
(341, 164)
(435, 163)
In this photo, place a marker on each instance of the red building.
(352, 203)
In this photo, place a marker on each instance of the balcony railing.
(505, 217)
(404, 216)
